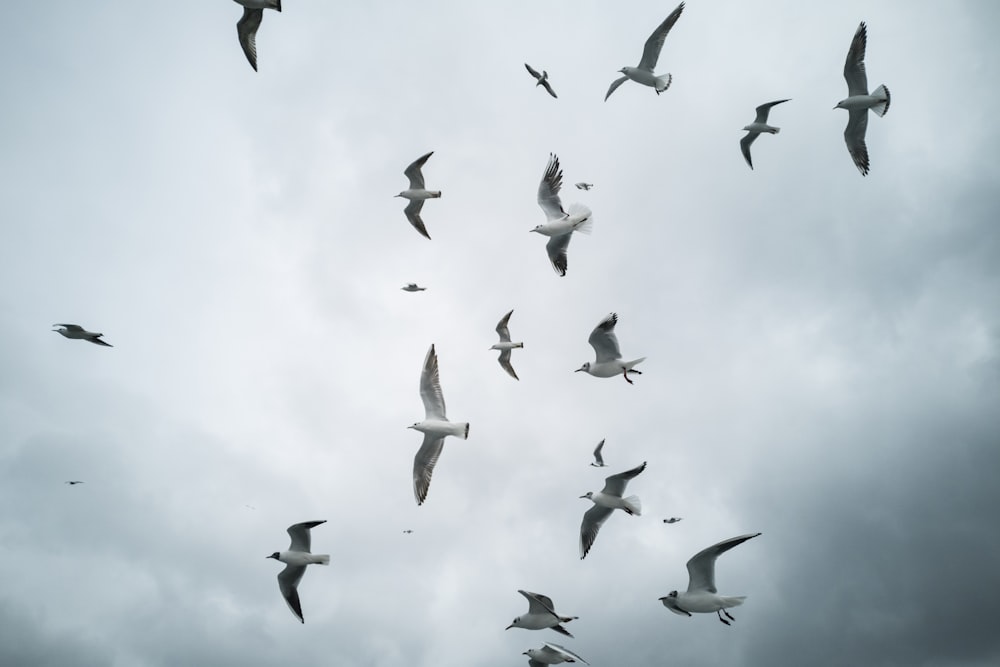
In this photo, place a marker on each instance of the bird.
(643, 72)
(296, 559)
(583, 186)
(701, 596)
(559, 225)
(858, 101)
(606, 501)
(408, 531)
(541, 614)
(598, 457)
(756, 127)
(246, 27)
(435, 427)
(412, 287)
(542, 80)
(673, 519)
(609, 357)
(74, 481)
(505, 346)
(416, 193)
(78, 332)
(551, 654)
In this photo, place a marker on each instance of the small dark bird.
(673, 519)
(542, 79)
(75, 481)
(407, 531)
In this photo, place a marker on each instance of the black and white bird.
(606, 501)
(583, 186)
(551, 654)
(643, 72)
(541, 614)
(608, 362)
(295, 559)
(755, 128)
(75, 331)
(412, 287)
(417, 193)
(505, 345)
(560, 224)
(246, 27)
(859, 101)
(542, 79)
(598, 457)
(673, 519)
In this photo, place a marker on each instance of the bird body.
(606, 501)
(643, 73)
(76, 332)
(296, 558)
(412, 287)
(541, 79)
(505, 345)
(417, 193)
(758, 126)
(541, 614)
(859, 100)
(609, 362)
(560, 223)
(551, 654)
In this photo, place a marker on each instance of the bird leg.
(719, 613)
(728, 615)
(625, 373)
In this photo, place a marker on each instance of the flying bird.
(505, 345)
(551, 654)
(583, 186)
(296, 559)
(542, 79)
(78, 332)
(606, 501)
(435, 427)
(559, 225)
(609, 357)
(408, 531)
(412, 287)
(643, 73)
(541, 614)
(598, 457)
(75, 481)
(416, 193)
(702, 597)
(246, 27)
(673, 519)
(756, 127)
(858, 101)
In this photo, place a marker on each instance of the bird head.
(274, 556)
(585, 367)
(537, 228)
(841, 105)
(514, 623)
(588, 494)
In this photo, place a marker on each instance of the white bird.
(542, 80)
(435, 427)
(560, 225)
(541, 614)
(643, 73)
(416, 193)
(296, 559)
(505, 345)
(756, 127)
(598, 457)
(583, 186)
(246, 27)
(77, 332)
(412, 287)
(859, 101)
(673, 519)
(551, 654)
(609, 358)
(702, 597)
(605, 502)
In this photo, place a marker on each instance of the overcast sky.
(823, 348)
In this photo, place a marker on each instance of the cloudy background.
(822, 347)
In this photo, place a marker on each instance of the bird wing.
(423, 465)
(548, 190)
(765, 109)
(593, 519)
(854, 66)
(504, 360)
(651, 51)
(745, 146)
(614, 86)
(288, 583)
(70, 327)
(854, 136)
(603, 338)
(532, 71)
(615, 484)
(597, 453)
(301, 538)
(412, 212)
(413, 172)
(502, 328)
(96, 340)
(701, 567)
(538, 603)
(534, 663)
(565, 653)
(246, 29)
(546, 86)
(430, 388)
(556, 248)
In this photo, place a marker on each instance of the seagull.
(598, 458)
(609, 358)
(643, 73)
(702, 597)
(412, 287)
(756, 127)
(246, 27)
(75, 481)
(296, 559)
(673, 519)
(541, 614)
(505, 346)
(859, 101)
(76, 331)
(583, 186)
(551, 654)
(605, 502)
(417, 194)
(543, 79)
(560, 225)
(407, 531)
(435, 427)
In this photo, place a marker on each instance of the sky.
(823, 348)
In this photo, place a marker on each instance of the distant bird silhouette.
(412, 287)
(673, 519)
(77, 332)
(598, 457)
(543, 79)
(583, 186)
(75, 481)
(756, 127)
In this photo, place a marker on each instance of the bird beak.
(509, 626)
(581, 368)
(583, 496)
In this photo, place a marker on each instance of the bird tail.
(775, 130)
(663, 82)
(733, 601)
(436, 194)
(633, 505)
(586, 218)
(323, 560)
(465, 433)
(881, 107)
(635, 362)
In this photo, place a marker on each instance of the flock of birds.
(701, 595)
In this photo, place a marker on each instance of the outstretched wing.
(288, 584)
(593, 519)
(413, 172)
(301, 538)
(246, 29)
(603, 339)
(701, 567)
(745, 146)
(423, 465)
(532, 71)
(546, 86)
(615, 484)
(412, 212)
(764, 109)
(430, 388)
(854, 66)
(651, 51)
(614, 86)
(548, 190)
(854, 136)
